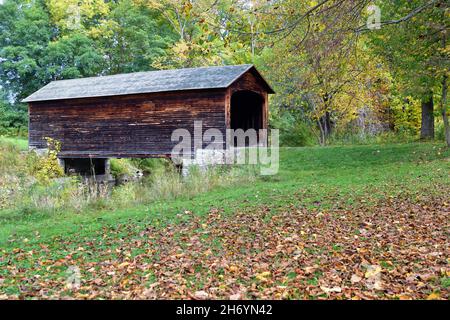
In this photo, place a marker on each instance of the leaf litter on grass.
(394, 249)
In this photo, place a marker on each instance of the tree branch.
(410, 15)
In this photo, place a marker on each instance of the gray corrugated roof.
(141, 82)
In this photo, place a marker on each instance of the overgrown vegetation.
(13, 119)
(29, 183)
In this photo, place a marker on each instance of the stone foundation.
(206, 158)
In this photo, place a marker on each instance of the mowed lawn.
(347, 222)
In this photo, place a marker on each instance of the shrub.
(13, 119)
(151, 165)
(122, 166)
(350, 138)
(440, 130)
(406, 112)
(294, 130)
(30, 184)
(48, 167)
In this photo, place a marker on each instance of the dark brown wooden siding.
(124, 126)
(248, 81)
(251, 82)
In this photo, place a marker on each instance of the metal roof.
(142, 82)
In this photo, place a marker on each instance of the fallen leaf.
(329, 290)
(263, 276)
(236, 296)
(309, 270)
(372, 271)
(355, 278)
(201, 295)
(232, 268)
(434, 296)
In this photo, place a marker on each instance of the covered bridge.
(134, 115)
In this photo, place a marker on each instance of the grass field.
(339, 222)
(21, 143)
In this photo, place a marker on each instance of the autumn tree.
(203, 34)
(413, 40)
(322, 66)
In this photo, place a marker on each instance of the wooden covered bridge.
(134, 115)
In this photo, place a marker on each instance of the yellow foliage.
(48, 166)
(263, 276)
(406, 114)
(70, 14)
(434, 296)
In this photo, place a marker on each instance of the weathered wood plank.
(124, 126)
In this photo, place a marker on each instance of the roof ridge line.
(149, 71)
(196, 78)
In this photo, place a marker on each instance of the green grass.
(312, 177)
(20, 143)
(312, 211)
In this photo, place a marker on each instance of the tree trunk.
(427, 129)
(444, 109)
(326, 125)
(322, 138)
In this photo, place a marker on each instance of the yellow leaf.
(372, 271)
(123, 265)
(233, 268)
(434, 296)
(263, 276)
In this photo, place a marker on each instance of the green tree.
(133, 37)
(33, 52)
(69, 57)
(25, 33)
(203, 35)
(412, 39)
(13, 118)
